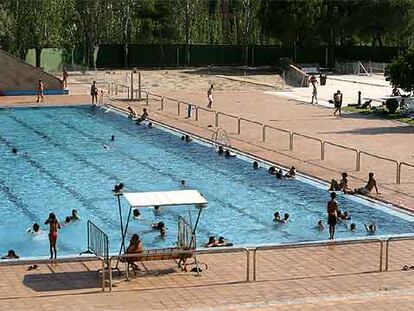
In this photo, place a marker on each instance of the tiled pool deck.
(336, 277)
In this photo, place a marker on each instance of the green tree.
(400, 72)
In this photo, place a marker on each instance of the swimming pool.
(62, 165)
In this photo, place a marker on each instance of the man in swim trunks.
(53, 234)
(338, 102)
(210, 96)
(332, 209)
(143, 117)
(94, 93)
(39, 89)
(372, 183)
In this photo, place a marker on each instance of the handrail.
(316, 243)
(343, 147)
(399, 170)
(382, 158)
(264, 126)
(400, 238)
(311, 138)
(217, 250)
(23, 262)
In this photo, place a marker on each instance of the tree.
(400, 72)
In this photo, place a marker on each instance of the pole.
(122, 228)
(132, 84)
(139, 86)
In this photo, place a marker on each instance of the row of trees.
(84, 24)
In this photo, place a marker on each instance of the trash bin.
(322, 78)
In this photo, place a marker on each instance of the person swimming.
(279, 174)
(344, 216)
(136, 214)
(66, 222)
(35, 229)
(158, 225)
(211, 242)
(282, 221)
(14, 150)
(255, 165)
(272, 170)
(371, 228)
(320, 226)
(183, 184)
(149, 125)
(276, 217)
(188, 139)
(291, 173)
(11, 254)
(75, 215)
(118, 188)
(157, 210)
(228, 154)
(112, 137)
(222, 243)
(352, 227)
(220, 150)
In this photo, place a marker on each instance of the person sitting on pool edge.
(136, 214)
(11, 254)
(143, 117)
(371, 184)
(291, 173)
(35, 229)
(132, 113)
(342, 185)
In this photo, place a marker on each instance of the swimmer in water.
(279, 174)
(220, 150)
(255, 165)
(371, 228)
(66, 222)
(75, 215)
(353, 227)
(136, 214)
(11, 254)
(211, 242)
(276, 217)
(35, 229)
(272, 170)
(183, 184)
(113, 138)
(320, 225)
(291, 173)
(228, 154)
(188, 139)
(222, 243)
(14, 150)
(149, 125)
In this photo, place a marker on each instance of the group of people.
(221, 242)
(335, 215)
(291, 174)
(134, 115)
(342, 185)
(337, 97)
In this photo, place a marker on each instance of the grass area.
(381, 113)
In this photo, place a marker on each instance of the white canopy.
(165, 198)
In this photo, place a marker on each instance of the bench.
(171, 253)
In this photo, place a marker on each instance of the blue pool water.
(62, 165)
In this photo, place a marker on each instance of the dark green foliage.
(400, 72)
(392, 105)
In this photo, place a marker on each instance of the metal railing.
(97, 241)
(316, 244)
(381, 158)
(293, 134)
(399, 170)
(264, 128)
(387, 245)
(23, 262)
(343, 147)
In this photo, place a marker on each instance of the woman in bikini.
(54, 226)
